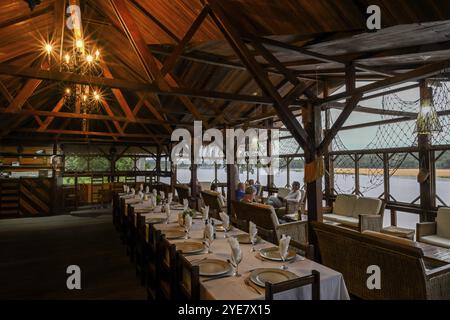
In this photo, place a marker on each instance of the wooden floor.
(35, 252)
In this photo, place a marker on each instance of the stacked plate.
(190, 247)
(273, 254)
(213, 267)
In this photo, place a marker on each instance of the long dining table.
(230, 287)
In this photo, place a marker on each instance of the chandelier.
(427, 120)
(79, 60)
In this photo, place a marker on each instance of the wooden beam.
(170, 62)
(90, 133)
(50, 119)
(260, 75)
(414, 75)
(111, 114)
(90, 116)
(23, 95)
(54, 75)
(118, 94)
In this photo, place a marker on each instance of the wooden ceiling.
(299, 44)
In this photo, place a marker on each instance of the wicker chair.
(436, 233)
(188, 279)
(313, 280)
(183, 192)
(166, 270)
(406, 273)
(213, 200)
(359, 213)
(292, 206)
(266, 220)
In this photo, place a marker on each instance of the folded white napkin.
(253, 231)
(125, 188)
(284, 245)
(236, 253)
(205, 212)
(162, 194)
(155, 192)
(185, 204)
(169, 197)
(187, 222)
(225, 220)
(133, 192)
(167, 209)
(141, 187)
(209, 231)
(141, 195)
(147, 189)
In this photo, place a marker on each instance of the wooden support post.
(313, 125)
(386, 178)
(357, 184)
(270, 180)
(328, 160)
(158, 164)
(426, 164)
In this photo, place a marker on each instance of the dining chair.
(154, 236)
(188, 279)
(303, 249)
(141, 248)
(312, 279)
(166, 270)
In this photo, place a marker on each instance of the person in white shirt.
(293, 196)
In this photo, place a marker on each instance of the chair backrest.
(211, 199)
(166, 267)
(188, 279)
(263, 216)
(443, 223)
(182, 192)
(345, 204)
(352, 253)
(283, 192)
(205, 185)
(304, 249)
(313, 280)
(364, 205)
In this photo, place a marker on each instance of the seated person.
(240, 191)
(294, 195)
(251, 183)
(249, 195)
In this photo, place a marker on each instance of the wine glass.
(283, 254)
(253, 241)
(187, 227)
(235, 263)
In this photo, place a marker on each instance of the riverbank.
(442, 173)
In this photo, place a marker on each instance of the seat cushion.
(345, 205)
(349, 221)
(443, 223)
(366, 206)
(436, 241)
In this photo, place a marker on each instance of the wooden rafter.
(151, 65)
(90, 133)
(233, 38)
(50, 119)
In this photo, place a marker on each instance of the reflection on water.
(403, 189)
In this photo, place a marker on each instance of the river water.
(404, 189)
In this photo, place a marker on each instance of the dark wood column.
(329, 163)
(313, 125)
(232, 177)
(426, 164)
(158, 164)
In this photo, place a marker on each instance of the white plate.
(261, 276)
(273, 254)
(213, 267)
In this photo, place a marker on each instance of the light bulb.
(68, 91)
(84, 98)
(48, 48)
(79, 43)
(97, 54)
(67, 58)
(89, 58)
(96, 96)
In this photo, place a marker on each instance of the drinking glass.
(235, 263)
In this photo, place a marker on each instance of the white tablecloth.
(332, 286)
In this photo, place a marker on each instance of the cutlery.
(218, 277)
(250, 285)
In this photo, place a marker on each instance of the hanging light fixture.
(427, 120)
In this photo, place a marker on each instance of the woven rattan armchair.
(266, 220)
(436, 233)
(405, 272)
